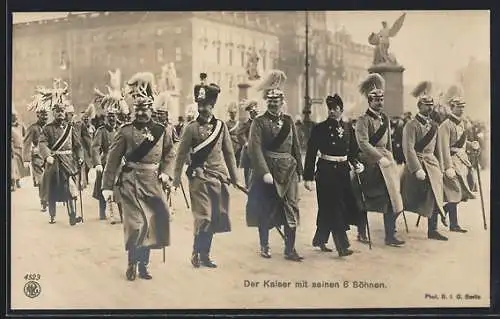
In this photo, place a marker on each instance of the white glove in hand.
(164, 178)
(475, 145)
(98, 168)
(359, 168)
(176, 183)
(107, 194)
(50, 160)
(308, 185)
(385, 162)
(268, 178)
(450, 172)
(420, 174)
(26, 164)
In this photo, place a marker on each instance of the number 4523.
(32, 277)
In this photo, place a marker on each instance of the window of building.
(218, 54)
(242, 57)
(178, 54)
(230, 56)
(231, 82)
(264, 61)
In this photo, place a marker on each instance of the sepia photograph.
(250, 160)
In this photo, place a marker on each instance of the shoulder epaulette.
(125, 124)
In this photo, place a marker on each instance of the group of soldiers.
(139, 162)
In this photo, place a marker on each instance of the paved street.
(83, 266)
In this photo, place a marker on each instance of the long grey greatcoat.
(380, 185)
(283, 162)
(209, 195)
(419, 196)
(59, 179)
(452, 156)
(100, 147)
(243, 135)
(233, 127)
(17, 169)
(145, 210)
(31, 151)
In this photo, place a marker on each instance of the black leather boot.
(206, 261)
(131, 271)
(290, 252)
(143, 264)
(265, 252)
(340, 245)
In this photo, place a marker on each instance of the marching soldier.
(212, 158)
(100, 147)
(145, 150)
(243, 135)
(374, 140)
(233, 127)
(18, 170)
(160, 105)
(452, 143)
(274, 151)
(422, 179)
(336, 142)
(31, 150)
(62, 153)
(85, 141)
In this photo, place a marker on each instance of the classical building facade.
(81, 48)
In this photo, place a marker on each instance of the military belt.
(277, 154)
(68, 152)
(150, 166)
(332, 158)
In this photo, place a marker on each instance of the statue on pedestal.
(252, 66)
(381, 42)
(168, 80)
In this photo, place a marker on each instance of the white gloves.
(107, 194)
(26, 164)
(359, 168)
(450, 172)
(420, 174)
(475, 145)
(308, 185)
(50, 160)
(268, 178)
(164, 178)
(98, 168)
(385, 162)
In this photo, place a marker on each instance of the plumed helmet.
(161, 102)
(454, 96)
(423, 93)
(272, 85)
(372, 86)
(141, 89)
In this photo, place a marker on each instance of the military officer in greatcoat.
(62, 153)
(101, 143)
(334, 139)
(233, 125)
(422, 179)
(31, 149)
(143, 151)
(452, 155)
(211, 169)
(274, 151)
(380, 182)
(243, 135)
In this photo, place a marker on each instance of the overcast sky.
(431, 45)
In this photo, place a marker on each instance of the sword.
(80, 191)
(480, 189)
(184, 194)
(366, 212)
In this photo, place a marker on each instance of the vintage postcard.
(250, 160)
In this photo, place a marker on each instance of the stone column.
(393, 96)
(243, 91)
